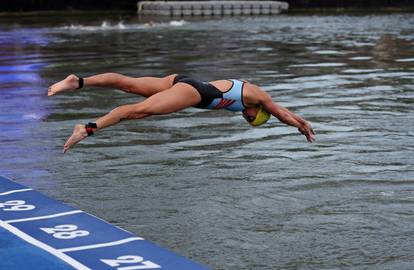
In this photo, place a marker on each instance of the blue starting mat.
(37, 232)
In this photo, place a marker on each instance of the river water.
(203, 183)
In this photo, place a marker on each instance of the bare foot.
(70, 83)
(79, 133)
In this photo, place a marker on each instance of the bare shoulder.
(253, 95)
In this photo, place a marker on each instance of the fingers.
(310, 137)
(313, 132)
(308, 132)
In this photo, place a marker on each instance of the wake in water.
(107, 26)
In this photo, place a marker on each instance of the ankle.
(90, 128)
(76, 82)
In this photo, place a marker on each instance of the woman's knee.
(110, 76)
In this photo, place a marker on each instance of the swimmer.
(177, 92)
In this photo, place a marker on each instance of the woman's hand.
(307, 130)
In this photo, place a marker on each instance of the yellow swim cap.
(262, 117)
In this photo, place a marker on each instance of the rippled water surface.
(203, 183)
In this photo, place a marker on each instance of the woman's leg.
(144, 86)
(178, 97)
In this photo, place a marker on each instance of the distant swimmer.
(177, 92)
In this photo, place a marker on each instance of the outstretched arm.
(289, 118)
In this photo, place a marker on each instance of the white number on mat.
(17, 205)
(67, 231)
(138, 262)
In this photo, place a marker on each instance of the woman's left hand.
(307, 130)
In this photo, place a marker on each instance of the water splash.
(104, 26)
(177, 23)
(120, 26)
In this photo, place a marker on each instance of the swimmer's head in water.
(256, 116)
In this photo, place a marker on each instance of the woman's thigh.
(176, 98)
(147, 86)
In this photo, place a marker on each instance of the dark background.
(32, 5)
